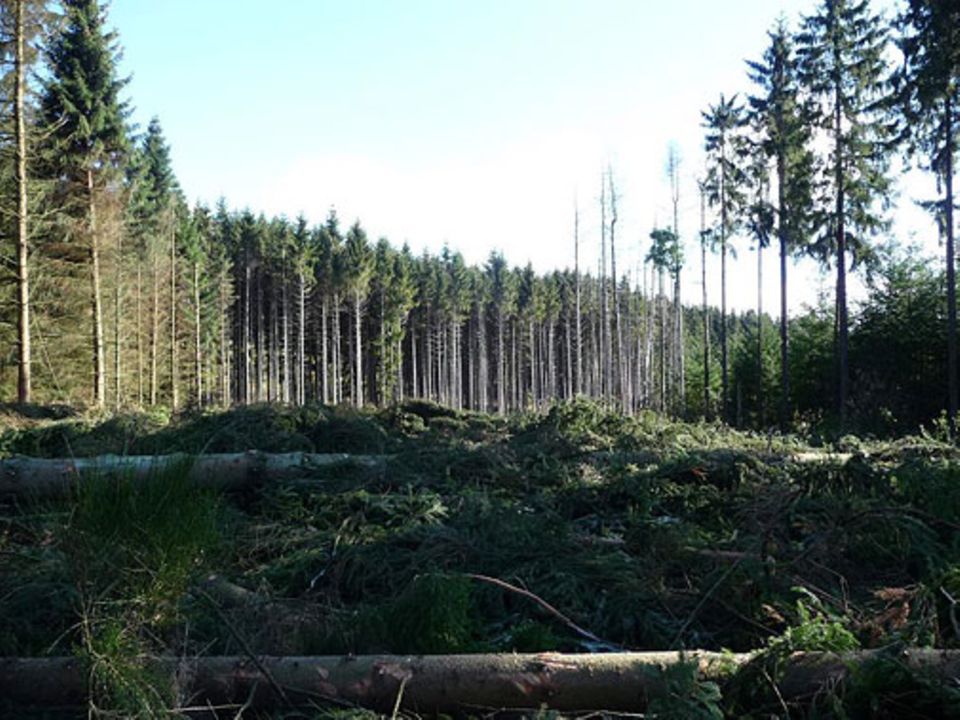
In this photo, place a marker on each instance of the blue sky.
(433, 121)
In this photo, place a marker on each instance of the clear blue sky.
(472, 123)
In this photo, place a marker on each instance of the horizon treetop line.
(193, 306)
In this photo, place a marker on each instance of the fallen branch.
(546, 606)
(45, 478)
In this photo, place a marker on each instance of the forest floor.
(575, 530)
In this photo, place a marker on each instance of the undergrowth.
(649, 534)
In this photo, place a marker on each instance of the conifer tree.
(784, 131)
(725, 147)
(357, 267)
(153, 199)
(502, 293)
(841, 50)
(21, 23)
(82, 106)
(928, 91)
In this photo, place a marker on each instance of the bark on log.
(45, 478)
(430, 684)
(444, 683)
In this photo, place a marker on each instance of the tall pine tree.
(784, 133)
(726, 147)
(82, 106)
(928, 88)
(841, 50)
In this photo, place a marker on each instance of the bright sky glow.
(475, 124)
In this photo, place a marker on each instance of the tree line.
(117, 293)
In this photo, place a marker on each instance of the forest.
(256, 466)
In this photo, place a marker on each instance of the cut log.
(425, 684)
(446, 683)
(45, 478)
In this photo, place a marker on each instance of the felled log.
(44, 478)
(445, 683)
(426, 684)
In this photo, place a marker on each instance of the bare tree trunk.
(842, 319)
(24, 377)
(951, 271)
(706, 315)
(139, 333)
(578, 379)
(197, 350)
(724, 377)
(483, 382)
(358, 371)
(285, 370)
(225, 396)
(117, 290)
(617, 381)
(301, 339)
(99, 364)
(414, 366)
(662, 306)
(325, 350)
(260, 338)
(605, 368)
(678, 349)
(784, 320)
(534, 390)
(761, 398)
(174, 389)
(501, 365)
(154, 331)
(568, 356)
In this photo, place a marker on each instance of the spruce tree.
(841, 50)
(82, 106)
(357, 267)
(784, 132)
(726, 148)
(22, 22)
(928, 91)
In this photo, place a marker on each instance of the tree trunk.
(285, 374)
(139, 333)
(99, 364)
(616, 384)
(197, 350)
(301, 338)
(325, 350)
(604, 301)
(842, 318)
(358, 349)
(428, 685)
(154, 332)
(117, 311)
(951, 275)
(784, 323)
(24, 378)
(337, 346)
(578, 344)
(761, 396)
(724, 377)
(501, 365)
(174, 390)
(48, 478)
(225, 396)
(705, 308)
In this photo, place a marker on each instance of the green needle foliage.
(841, 52)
